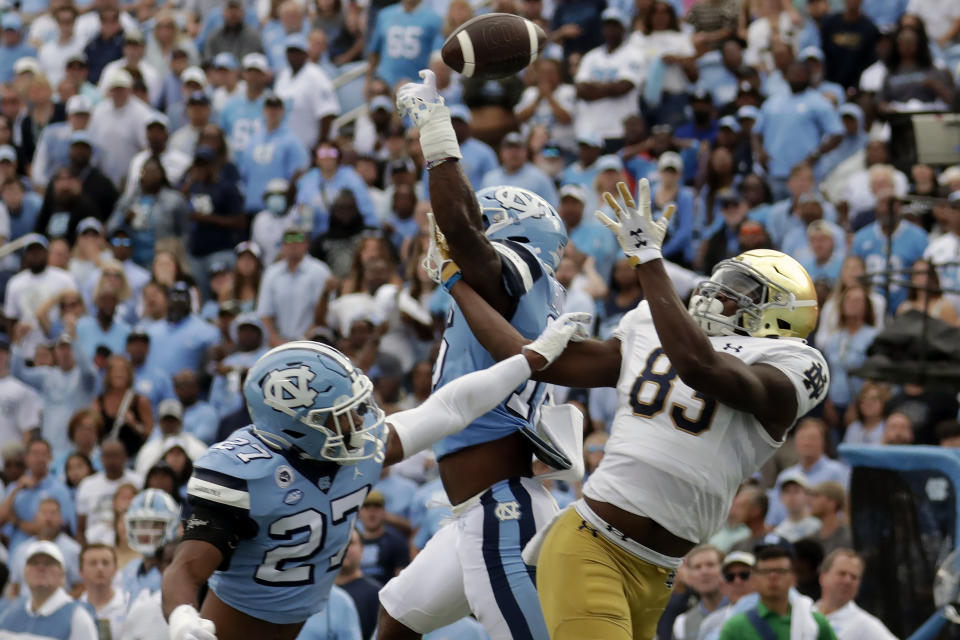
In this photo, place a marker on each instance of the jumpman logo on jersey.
(287, 389)
(507, 511)
(814, 380)
(736, 348)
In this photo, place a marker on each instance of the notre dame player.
(706, 395)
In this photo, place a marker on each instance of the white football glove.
(423, 104)
(558, 333)
(639, 235)
(186, 624)
(438, 264)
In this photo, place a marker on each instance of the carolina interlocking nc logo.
(814, 380)
(288, 389)
(507, 511)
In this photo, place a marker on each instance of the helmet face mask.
(353, 428)
(309, 398)
(773, 296)
(151, 521)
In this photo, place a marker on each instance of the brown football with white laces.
(494, 45)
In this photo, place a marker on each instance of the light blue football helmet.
(308, 397)
(151, 520)
(512, 213)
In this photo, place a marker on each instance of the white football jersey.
(677, 456)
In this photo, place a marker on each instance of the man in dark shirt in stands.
(362, 589)
(385, 550)
(849, 42)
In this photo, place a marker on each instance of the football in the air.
(494, 45)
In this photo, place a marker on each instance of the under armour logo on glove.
(288, 389)
(638, 239)
(639, 235)
(507, 511)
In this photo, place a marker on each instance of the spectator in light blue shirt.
(338, 620)
(796, 126)
(405, 35)
(813, 58)
(822, 257)
(35, 485)
(586, 234)
(274, 152)
(226, 394)
(199, 417)
(321, 185)
(584, 171)
(102, 327)
(666, 190)
(180, 341)
(65, 388)
(398, 493)
(906, 242)
(718, 71)
(478, 157)
(810, 441)
(854, 140)
(516, 171)
(149, 382)
(885, 13)
(242, 117)
(12, 45)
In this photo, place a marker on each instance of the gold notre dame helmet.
(774, 293)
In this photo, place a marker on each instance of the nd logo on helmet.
(288, 389)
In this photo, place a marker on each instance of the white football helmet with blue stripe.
(151, 520)
(308, 397)
(512, 213)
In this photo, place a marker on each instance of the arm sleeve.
(458, 403)
(221, 511)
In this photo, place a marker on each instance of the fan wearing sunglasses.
(737, 572)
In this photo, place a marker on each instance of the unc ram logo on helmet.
(512, 213)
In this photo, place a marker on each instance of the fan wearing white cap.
(270, 223)
(47, 611)
(134, 46)
(21, 301)
(53, 146)
(225, 80)
(170, 424)
(118, 123)
(175, 162)
(608, 81)
(242, 116)
(276, 151)
(306, 89)
(737, 572)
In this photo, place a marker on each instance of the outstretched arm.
(451, 194)
(461, 401)
(586, 364)
(759, 389)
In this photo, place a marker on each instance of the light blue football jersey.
(536, 298)
(303, 511)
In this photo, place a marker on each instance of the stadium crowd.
(185, 184)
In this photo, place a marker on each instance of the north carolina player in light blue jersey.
(507, 242)
(273, 505)
(405, 35)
